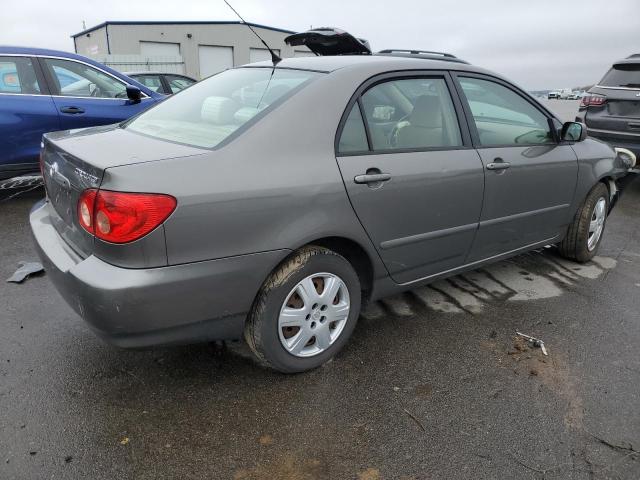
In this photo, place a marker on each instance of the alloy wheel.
(313, 314)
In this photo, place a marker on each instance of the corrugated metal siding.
(93, 44)
(125, 39)
(137, 63)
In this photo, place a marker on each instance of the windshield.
(624, 75)
(210, 111)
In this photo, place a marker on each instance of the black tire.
(575, 244)
(261, 329)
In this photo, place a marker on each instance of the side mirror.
(134, 94)
(573, 132)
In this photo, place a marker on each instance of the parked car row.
(566, 94)
(306, 188)
(46, 90)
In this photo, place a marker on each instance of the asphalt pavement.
(433, 385)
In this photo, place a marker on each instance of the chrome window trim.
(66, 96)
(617, 88)
(612, 132)
(26, 94)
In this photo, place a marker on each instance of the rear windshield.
(211, 110)
(623, 75)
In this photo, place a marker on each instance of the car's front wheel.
(585, 232)
(305, 311)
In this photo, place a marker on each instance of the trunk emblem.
(86, 176)
(53, 169)
(637, 94)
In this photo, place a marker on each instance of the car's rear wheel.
(585, 232)
(305, 311)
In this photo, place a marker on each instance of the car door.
(86, 96)
(414, 180)
(530, 178)
(26, 112)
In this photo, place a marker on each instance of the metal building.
(197, 49)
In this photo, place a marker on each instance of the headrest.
(427, 112)
(218, 110)
(245, 114)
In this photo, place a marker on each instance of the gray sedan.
(272, 202)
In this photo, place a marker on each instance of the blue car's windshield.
(209, 111)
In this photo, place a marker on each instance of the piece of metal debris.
(536, 342)
(25, 269)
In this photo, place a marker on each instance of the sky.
(540, 45)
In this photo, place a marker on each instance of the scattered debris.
(68, 459)
(25, 269)
(369, 474)
(423, 390)
(415, 419)
(124, 441)
(396, 389)
(536, 342)
(266, 440)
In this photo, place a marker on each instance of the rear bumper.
(617, 139)
(142, 307)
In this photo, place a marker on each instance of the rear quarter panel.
(596, 161)
(276, 186)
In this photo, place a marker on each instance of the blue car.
(46, 90)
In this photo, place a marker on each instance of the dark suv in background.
(611, 109)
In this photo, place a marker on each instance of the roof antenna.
(274, 57)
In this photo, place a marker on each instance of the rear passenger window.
(412, 113)
(17, 75)
(152, 82)
(353, 137)
(503, 117)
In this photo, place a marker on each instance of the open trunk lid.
(329, 41)
(73, 161)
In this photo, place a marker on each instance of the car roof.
(384, 62)
(630, 60)
(145, 72)
(8, 49)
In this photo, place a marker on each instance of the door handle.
(372, 178)
(72, 110)
(498, 164)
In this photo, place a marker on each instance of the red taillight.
(593, 100)
(121, 217)
(86, 203)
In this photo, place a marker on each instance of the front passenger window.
(503, 117)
